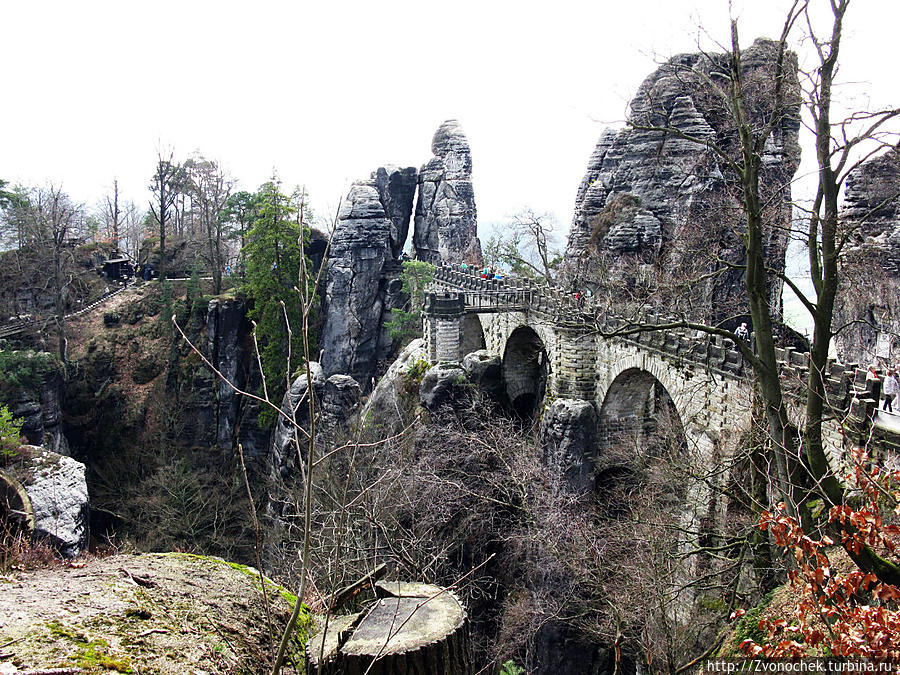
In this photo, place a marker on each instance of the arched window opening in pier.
(472, 335)
(525, 369)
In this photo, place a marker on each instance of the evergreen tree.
(274, 265)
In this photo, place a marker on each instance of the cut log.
(410, 629)
(16, 514)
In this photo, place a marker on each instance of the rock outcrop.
(568, 436)
(870, 283)
(446, 218)
(443, 384)
(654, 202)
(363, 274)
(87, 618)
(484, 370)
(58, 492)
(226, 331)
(336, 399)
(388, 405)
(36, 399)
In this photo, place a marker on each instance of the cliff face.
(446, 218)
(868, 301)
(653, 204)
(362, 281)
(36, 398)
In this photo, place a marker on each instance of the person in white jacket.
(891, 389)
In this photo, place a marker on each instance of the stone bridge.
(554, 356)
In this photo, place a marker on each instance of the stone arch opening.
(525, 369)
(472, 338)
(639, 431)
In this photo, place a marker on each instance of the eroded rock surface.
(336, 399)
(40, 406)
(72, 617)
(443, 384)
(387, 406)
(58, 492)
(446, 218)
(363, 274)
(652, 200)
(569, 440)
(870, 286)
(484, 371)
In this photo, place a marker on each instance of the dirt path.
(148, 613)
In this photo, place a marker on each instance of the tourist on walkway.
(891, 389)
(743, 332)
(872, 372)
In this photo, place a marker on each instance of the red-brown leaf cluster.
(840, 614)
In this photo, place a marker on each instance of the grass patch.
(91, 655)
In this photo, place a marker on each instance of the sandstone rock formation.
(362, 276)
(58, 492)
(85, 619)
(337, 398)
(652, 202)
(445, 225)
(484, 370)
(387, 405)
(38, 403)
(443, 384)
(870, 286)
(568, 435)
(396, 190)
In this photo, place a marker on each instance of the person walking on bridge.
(891, 389)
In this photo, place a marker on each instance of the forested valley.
(238, 435)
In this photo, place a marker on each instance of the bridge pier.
(443, 326)
(574, 375)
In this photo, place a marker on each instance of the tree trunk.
(410, 629)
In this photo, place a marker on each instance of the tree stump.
(410, 629)
(16, 515)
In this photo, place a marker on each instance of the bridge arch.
(639, 430)
(638, 406)
(525, 369)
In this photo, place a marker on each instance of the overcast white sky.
(326, 91)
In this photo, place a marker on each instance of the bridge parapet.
(680, 345)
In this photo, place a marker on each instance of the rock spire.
(445, 221)
(652, 200)
(362, 277)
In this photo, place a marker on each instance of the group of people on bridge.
(890, 386)
(487, 272)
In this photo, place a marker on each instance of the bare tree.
(132, 233)
(528, 246)
(112, 215)
(165, 187)
(48, 222)
(210, 189)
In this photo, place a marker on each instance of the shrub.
(25, 369)
(10, 431)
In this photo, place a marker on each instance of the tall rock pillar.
(445, 224)
(362, 275)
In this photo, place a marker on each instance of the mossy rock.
(149, 613)
(147, 366)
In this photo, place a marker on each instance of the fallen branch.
(138, 580)
(342, 596)
(150, 631)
